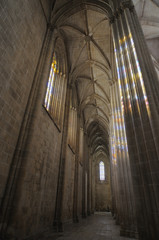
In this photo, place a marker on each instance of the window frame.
(99, 167)
(57, 85)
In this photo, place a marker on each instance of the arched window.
(50, 84)
(101, 171)
(56, 89)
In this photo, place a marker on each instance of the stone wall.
(31, 145)
(23, 28)
(30, 142)
(102, 188)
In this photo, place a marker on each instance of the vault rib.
(80, 52)
(78, 68)
(77, 29)
(103, 91)
(94, 28)
(101, 51)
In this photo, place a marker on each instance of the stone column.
(119, 188)
(140, 87)
(85, 178)
(120, 168)
(89, 182)
(58, 225)
(92, 183)
(111, 146)
(75, 203)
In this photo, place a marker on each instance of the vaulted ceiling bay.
(88, 39)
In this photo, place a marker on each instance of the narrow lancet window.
(50, 84)
(56, 90)
(101, 171)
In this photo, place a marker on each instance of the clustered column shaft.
(138, 89)
(120, 167)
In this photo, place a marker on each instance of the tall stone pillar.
(120, 168)
(92, 183)
(139, 86)
(58, 222)
(75, 204)
(118, 180)
(85, 178)
(112, 178)
(89, 181)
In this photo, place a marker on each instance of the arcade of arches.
(79, 115)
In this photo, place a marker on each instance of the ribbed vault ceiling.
(87, 36)
(85, 28)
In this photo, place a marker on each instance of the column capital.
(127, 4)
(123, 5)
(111, 19)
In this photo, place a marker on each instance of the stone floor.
(99, 226)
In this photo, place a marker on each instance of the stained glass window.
(50, 84)
(56, 90)
(101, 171)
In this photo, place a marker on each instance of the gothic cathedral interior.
(79, 115)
